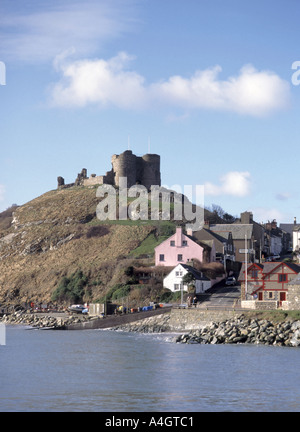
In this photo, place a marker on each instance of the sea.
(114, 371)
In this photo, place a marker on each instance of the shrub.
(71, 288)
(123, 291)
(97, 231)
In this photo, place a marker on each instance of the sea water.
(109, 371)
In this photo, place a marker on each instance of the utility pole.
(246, 269)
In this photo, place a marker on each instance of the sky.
(210, 86)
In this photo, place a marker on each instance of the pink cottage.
(178, 248)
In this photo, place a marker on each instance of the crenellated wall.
(143, 170)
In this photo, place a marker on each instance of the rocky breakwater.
(245, 330)
(37, 320)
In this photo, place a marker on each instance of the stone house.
(173, 281)
(293, 296)
(181, 248)
(267, 282)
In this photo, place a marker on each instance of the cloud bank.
(233, 183)
(111, 83)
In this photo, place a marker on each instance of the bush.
(97, 231)
(123, 291)
(116, 292)
(71, 288)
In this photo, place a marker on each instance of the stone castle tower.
(143, 170)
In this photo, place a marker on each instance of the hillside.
(57, 234)
(55, 243)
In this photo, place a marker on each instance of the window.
(172, 243)
(254, 274)
(184, 243)
(161, 257)
(282, 278)
(179, 257)
(270, 294)
(176, 287)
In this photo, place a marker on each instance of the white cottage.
(173, 281)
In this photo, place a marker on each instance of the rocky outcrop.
(38, 320)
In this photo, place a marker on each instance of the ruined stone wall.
(124, 165)
(143, 170)
(150, 170)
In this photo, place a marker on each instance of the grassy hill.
(55, 246)
(58, 234)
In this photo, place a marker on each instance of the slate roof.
(238, 231)
(206, 234)
(197, 274)
(268, 267)
(289, 228)
(242, 274)
(295, 281)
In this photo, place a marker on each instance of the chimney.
(189, 232)
(246, 217)
(178, 237)
(295, 220)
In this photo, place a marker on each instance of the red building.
(267, 281)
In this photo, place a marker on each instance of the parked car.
(276, 257)
(230, 281)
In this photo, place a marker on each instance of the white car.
(276, 257)
(230, 281)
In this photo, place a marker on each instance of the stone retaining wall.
(189, 319)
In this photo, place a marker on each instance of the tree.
(189, 280)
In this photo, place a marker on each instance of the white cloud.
(233, 183)
(106, 83)
(262, 214)
(38, 35)
(250, 92)
(110, 82)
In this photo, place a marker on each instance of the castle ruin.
(143, 170)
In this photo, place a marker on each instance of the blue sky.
(208, 84)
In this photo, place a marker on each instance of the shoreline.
(237, 329)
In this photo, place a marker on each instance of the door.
(282, 297)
